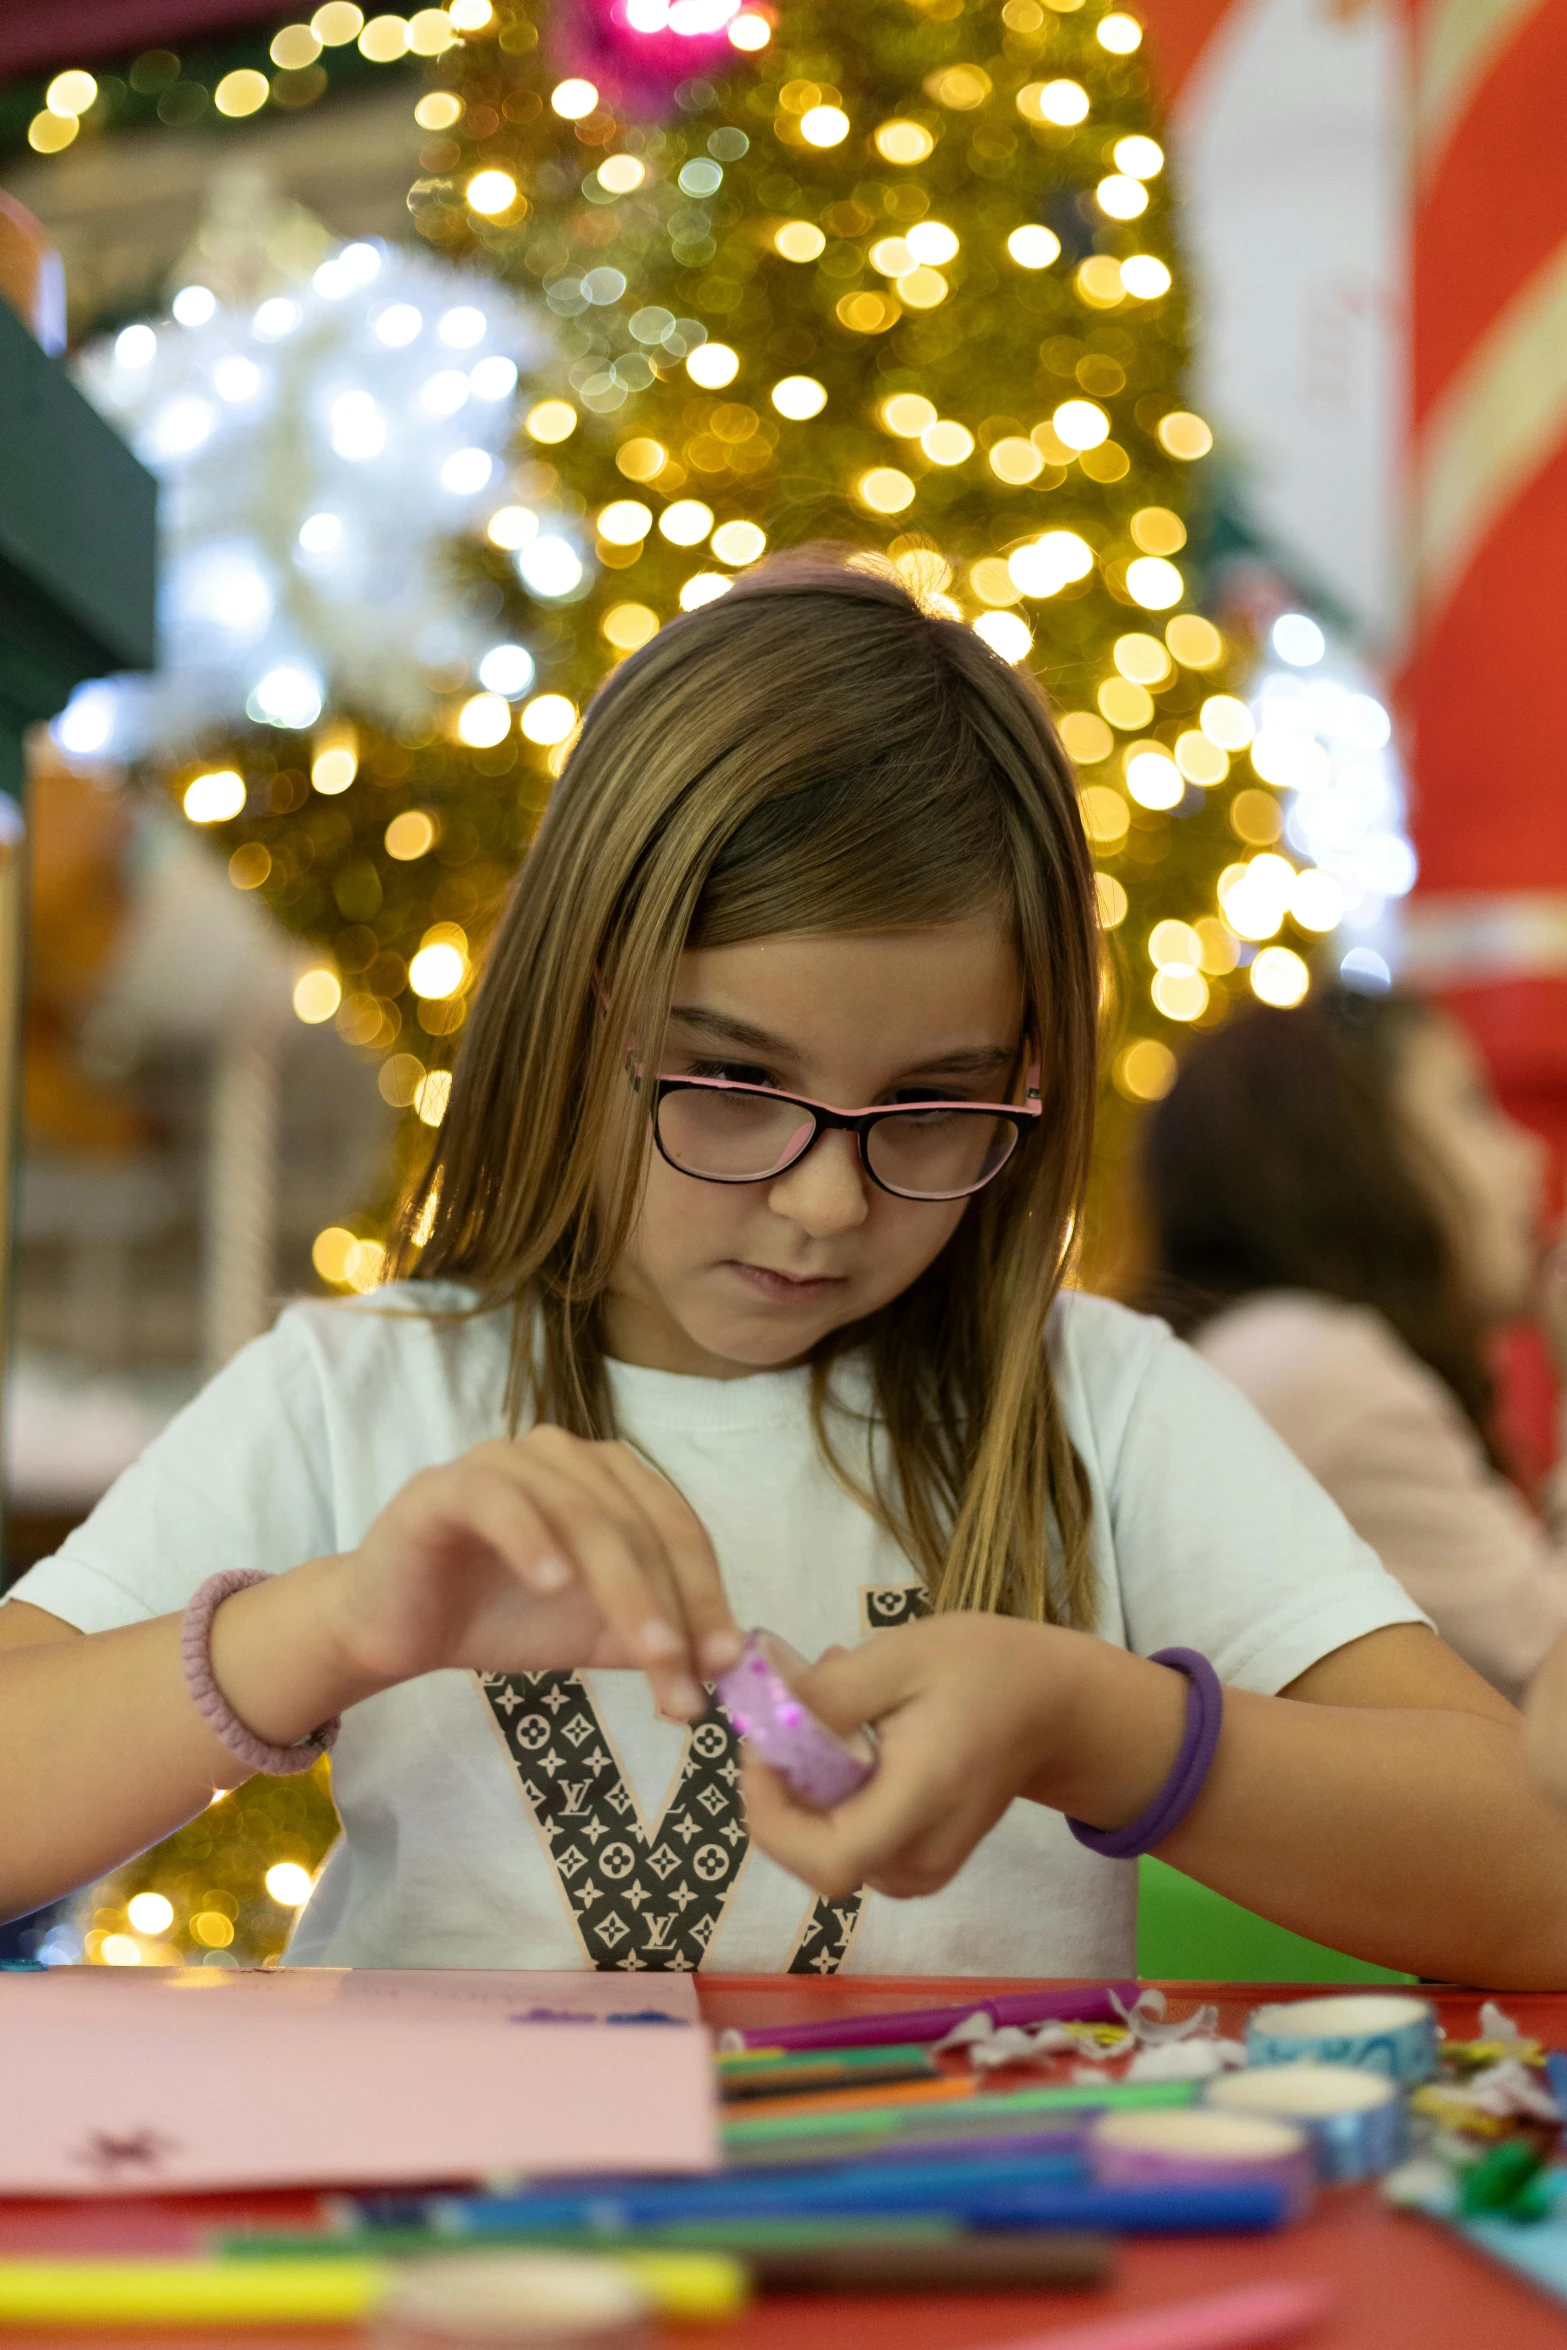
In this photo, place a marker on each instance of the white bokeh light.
(507, 669)
(288, 429)
(550, 566)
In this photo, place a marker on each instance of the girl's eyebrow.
(724, 1028)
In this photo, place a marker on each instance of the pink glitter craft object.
(756, 1695)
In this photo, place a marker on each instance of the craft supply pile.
(1009, 2143)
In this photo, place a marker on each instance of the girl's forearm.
(102, 1750)
(1415, 1837)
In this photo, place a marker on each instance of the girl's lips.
(782, 1288)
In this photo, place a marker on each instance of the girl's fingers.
(625, 1571)
(693, 1563)
(508, 1520)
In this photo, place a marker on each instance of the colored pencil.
(1226, 2321)
(1092, 2004)
(951, 2089)
(800, 2076)
(967, 2264)
(300, 2292)
(981, 2194)
(990, 2110)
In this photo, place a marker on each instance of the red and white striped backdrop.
(1477, 412)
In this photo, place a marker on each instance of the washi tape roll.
(757, 1695)
(1182, 2145)
(1356, 2121)
(519, 2301)
(1380, 2031)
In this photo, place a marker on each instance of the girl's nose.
(827, 1191)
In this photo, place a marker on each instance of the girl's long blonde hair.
(812, 753)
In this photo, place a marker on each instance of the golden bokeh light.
(1154, 583)
(992, 582)
(1007, 634)
(1121, 197)
(621, 173)
(1145, 277)
(437, 110)
(1157, 531)
(410, 836)
(946, 443)
(574, 99)
(1279, 977)
(1063, 103)
(1033, 246)
(1195, 642)
(903, 142)
(625, 522)
(1140, 158)
(295, 47)
(550, 421)
(317, 995)
(824, 126)
(1172, 944)
(1316, 901)
(799, 240)
(549, 719)
(492, 193)
(1119, 33)
(1200, 759)
(908, 414)
(1125, 704)
(483, 721)
(1087, 738)
(1106, 816)
(1080, 424)
(215, 797)
(703, 587)
(384, 39)
(1152, 777)
(1257, 819)
(1184, 435)
(739, 542)
(1145, 1070)
(1111, 903)
(1141, 658)
(712, 365)
(1013, 459)
(240, 93)
(798, 397)
(641, 459)
(686, 523)
(629, 626)
(1225, 720)
(434, 1094)
(884, 490)
(1180, 992)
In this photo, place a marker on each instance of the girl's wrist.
(1119, 1722)
(282, 1654)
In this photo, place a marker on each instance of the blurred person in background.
(1343, 1220)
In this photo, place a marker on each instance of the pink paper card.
(466, 1994)
(166, 2094)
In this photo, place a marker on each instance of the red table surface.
(1399, 2280)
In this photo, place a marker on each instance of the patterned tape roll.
(1356, 2121)
(756, 1695)
(1179, 2146)
(1382, 2032)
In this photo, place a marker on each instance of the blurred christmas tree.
(902, 275)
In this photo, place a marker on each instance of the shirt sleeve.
(240, 1478)
(1407, 1470)
(1223, 1542)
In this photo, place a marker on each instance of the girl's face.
(1485, 1173)
(719, 1280)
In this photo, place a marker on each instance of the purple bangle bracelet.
(1188, 1772)
(278, 1762)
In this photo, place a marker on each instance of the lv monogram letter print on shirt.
(650, 1897)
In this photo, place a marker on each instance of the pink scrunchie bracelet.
(279, 1762)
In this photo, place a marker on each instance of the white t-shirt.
(552, 1820)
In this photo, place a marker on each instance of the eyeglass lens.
(744, 1138)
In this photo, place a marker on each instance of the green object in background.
(1186, 1933)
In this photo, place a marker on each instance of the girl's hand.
(970, 1712)
(535, 1553)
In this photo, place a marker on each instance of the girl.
(1343, 1218)
(750, 1213)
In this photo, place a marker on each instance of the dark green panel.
(78, 520)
